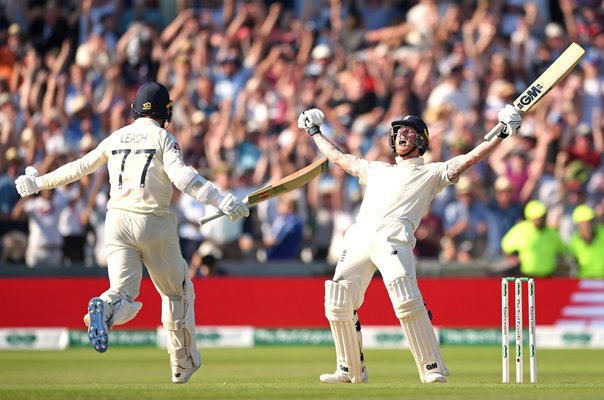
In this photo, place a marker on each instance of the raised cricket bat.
(544, 83)
(283, 185)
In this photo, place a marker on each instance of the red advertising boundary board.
(275, 302)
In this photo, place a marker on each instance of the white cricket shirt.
(143, 160)
(401, 191)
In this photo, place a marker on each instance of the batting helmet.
(423, 140)
(152, 100)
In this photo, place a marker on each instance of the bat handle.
(219, 214)
(494, 132)
(209, 218)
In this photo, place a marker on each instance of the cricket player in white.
(382, 237)
(144, 160)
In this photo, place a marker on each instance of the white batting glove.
(27, 184)
(311, 120)
(233, 208)
(511, 118)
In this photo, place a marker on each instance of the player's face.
(406, 139)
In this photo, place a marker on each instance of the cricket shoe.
(182, 375)
(343, 377)
(98, 322)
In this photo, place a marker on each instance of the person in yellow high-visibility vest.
(587, 242)
(536, 245)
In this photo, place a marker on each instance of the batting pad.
(411, 311)
(122, 308)
(339, 311)
(179, 320)
(126, 311)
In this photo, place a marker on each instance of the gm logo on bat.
(529, 95)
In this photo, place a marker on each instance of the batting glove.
(510, 117)
(311, 120)
(28, 184)
(233, 208)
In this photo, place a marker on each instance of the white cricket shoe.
(98, 322)
(435, 377)
(343, 377)
(182, 375)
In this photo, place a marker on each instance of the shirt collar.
(412, 161)
(146, 121)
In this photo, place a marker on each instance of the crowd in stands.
(240, 72)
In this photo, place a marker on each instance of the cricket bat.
(544, 83)
(283, 185)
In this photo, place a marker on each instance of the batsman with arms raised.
(144, 160)
(382, 237)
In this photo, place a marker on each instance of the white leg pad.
(339, 311)
(411, 311)
(178, 319)
(357, 327)
(121, 308)
(125, 311)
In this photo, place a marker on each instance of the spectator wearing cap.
(587, 243)
(503, 212)
(465, 223)
(534, 247)
(555, 38)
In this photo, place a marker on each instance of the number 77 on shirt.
(283, 185)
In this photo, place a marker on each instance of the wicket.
(505, 329)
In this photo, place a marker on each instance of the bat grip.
(209, 218)
(494, 132)
(219, 214)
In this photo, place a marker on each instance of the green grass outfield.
(289, 373)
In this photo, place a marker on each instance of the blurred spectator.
(243, 70)
(189, 211)
(465, 224)
(223, 233)
(12, 167)
(49, 27)
(503, 212)
(70, 225)
(44, 243)
(429, 235)
(511, 161)
(284, 240)
(13, 247)
(205, 262)
(534, 246)
(587, 243)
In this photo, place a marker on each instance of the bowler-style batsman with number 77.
(143, 160)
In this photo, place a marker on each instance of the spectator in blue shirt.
(284, 241)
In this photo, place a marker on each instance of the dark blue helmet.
(152, 100)
(416, 123)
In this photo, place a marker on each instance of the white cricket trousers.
(368, 246)
(133, 239)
